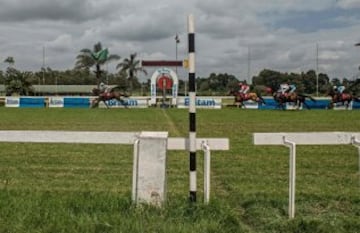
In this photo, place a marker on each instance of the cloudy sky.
(275, 34)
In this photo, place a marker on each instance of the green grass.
(87, 188)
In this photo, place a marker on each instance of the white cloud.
(349, 4)
(224, 32)
(62, 43)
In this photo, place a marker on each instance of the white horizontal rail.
(95, 137)
(310, 138)
(306, 138)
(68, 137)
(213, 143)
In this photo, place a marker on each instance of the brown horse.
(240, 98)
(297, 99)
(343, 98)
(114, 93)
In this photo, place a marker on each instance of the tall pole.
(43, 65)
(317, 69)
(192, 108)
(357, 76)
(177, 41)
(249, 64)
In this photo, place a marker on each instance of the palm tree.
(10, 61)
(131, 66)
(97, 57)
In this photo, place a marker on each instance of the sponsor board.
(250, 105)
(12, 102)
(56, 102)
(32, 102)
(201, 102)
(130, 103)
(76, 102)
(293, 106)
(340, 106)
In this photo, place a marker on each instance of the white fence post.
(150, 184)
(304, 138)
(135, 169)
(292, 175)
(356, 143)
(207, 167)
(149, 154)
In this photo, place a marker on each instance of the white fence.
(148, 146)
(312, 138)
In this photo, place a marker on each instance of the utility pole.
(317, 69)
(177, 41)
(43, 66)
(248, 66)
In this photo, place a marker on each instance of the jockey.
(284, 88)
(292, 88)
(103, 88)
(244, 88)
(339, 89)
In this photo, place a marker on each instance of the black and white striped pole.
(192, 107)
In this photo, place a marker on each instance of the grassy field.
(87, 188)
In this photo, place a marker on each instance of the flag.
(177, 39)
(101, 55)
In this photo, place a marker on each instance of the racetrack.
(86, 188)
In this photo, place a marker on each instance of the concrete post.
(150, 172)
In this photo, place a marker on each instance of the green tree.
(131, 66)
(2, 78)
(269, 78)
(217, 83)
(18, 83)
(120, 79)
(96, 57)
(10, 61)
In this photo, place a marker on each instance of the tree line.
(88, 71)
(306, 82)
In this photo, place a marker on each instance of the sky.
(238, 37)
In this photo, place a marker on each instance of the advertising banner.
(12, 102)
(250, 104)
(32, 102)
(56, 102)
(130, 103)
(201, 102)
(76, 102)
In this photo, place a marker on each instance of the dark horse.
(343, 98)
(240, 98)
(114, 93)
(296, 99)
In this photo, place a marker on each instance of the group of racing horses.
(281, 99)
(294, 98)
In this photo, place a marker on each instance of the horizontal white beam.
(93, 137)
(68, 137)
(213, 143)
(305, 138)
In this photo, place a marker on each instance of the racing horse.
(113, 93)
(240, 98)
(343, 98)
(297, 99)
